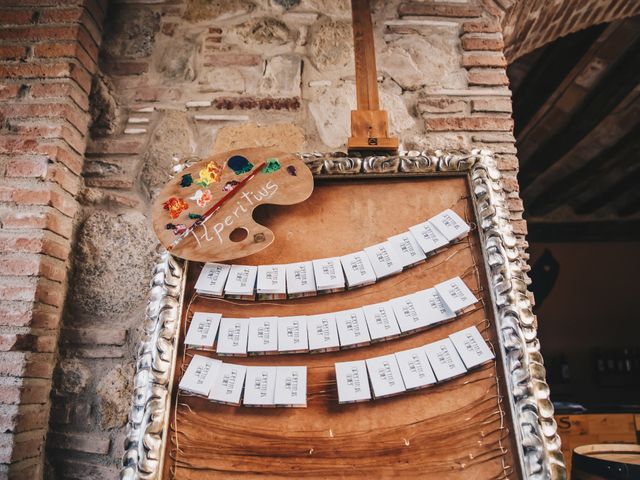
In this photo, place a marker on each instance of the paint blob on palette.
(205, 212)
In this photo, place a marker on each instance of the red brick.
(482, 41)
(50, 130)
(510, 184)
(454, 10)
(488, 77)
(46, 110)
(50, 293)
(500, 105)
(12, 16)
(21, 418)
(483, 59)
(24, 391)
(493, 137)
(16, 447)
(36, 167)
(10, 342)
(519, 227)
(515, 205)
(32, 264)
(9, 92)
(69, 49)
(157, 94)
(34, 242)
(126, 68)
(225, 59)
(60, 15)
(12, 52)
(444, 124)
(507, 162)
(35, 33)
(121, 146)
(482, 26)
(60, 90)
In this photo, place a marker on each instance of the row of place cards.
(293, 280)
(331, 331)
(262, 386)
(412, 369)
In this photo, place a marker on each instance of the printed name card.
(352, 382)
(415, 368)
(323, 332)
(411, 311)
(385, 376)
(271, 282)
(437, 310)
(444, 359)
(292, 334)
(329, 276)
(381, 321)
(300, 279)
(472, 348)
(227, 387)
(202, 330)
(260, 386)
(241, 282)
(456, 295)
(212, 279)
(384, 258)
(408, 250)
(428, 237)
(358, 269)
(232, 339)
(450, 225)
(291, 387)
(352, 328)
(200, 375)
(263, 335)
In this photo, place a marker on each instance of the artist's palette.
(205, 212)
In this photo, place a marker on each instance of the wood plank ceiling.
(576, 106)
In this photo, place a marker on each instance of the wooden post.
(369, 124)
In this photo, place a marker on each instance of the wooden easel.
(369, 124)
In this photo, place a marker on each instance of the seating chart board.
(457, 429)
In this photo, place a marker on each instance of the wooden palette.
(238, 181)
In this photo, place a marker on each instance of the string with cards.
(335, 274)
(286, 386)
(331, 331)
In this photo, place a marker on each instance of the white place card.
(328, 274)
(381, 321)
(263, 335)
(385, 259)
(301, 281)
(202, 330)
(212, 279)
(415, 368)
(292, 334)
(358, 269)
(227, 387)
(271, 282)
(385, 376)
(291, 387)
(472, 348)
(260, 386)
(428, 237)
(411, 311)
(200, 375)
(456, 295)
(323, 332)
(444, 359)
(438, 310)
(352, 381)
(241, 281)
(409, 252)
(352, 328)
(451, 225)
(232, 339)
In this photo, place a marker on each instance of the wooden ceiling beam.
(577, 89)
(609, 146)
(610, 92)
(606, 231)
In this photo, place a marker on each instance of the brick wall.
(530, 24)
(48, 54)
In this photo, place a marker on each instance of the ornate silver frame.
(536, 434)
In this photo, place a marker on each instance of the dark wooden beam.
(611, 90)
(607, 231)
(629, 203)
(565, 106)
(588, 177)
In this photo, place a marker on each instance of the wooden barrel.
(606, 461)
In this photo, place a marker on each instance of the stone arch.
(530, 24)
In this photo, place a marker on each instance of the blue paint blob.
(187, 180)
(239, 164)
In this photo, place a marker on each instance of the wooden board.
(451, 431)
(230, 232)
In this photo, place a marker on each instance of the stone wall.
(181, 78)
(188, 79)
